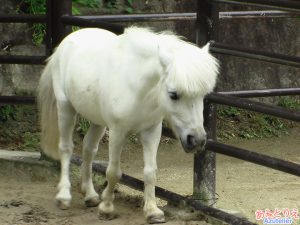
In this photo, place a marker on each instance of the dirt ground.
(27, 198)
(242, 187)
(26, 203)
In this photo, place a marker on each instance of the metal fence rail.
(142, 17)
(155, 17)
(23, 18)
(257, 14)
(288, 5)
(22, 59)
(170, 196)
(247, 155)
(84, 22)
(255, 54)
(263, 92)
(254, 106)
(254, 157)
(13, 100)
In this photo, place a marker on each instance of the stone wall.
(277, 35)
(15, 39)
(272, 35)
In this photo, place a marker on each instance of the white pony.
(126, 83)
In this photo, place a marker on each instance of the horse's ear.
(165, 57)
(206, 47)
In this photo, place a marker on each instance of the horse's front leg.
(150, 139)
(113, 173)
(90, 147)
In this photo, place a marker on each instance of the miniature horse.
(126, 83)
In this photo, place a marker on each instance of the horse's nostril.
(191, 141)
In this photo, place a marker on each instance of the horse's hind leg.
(66, 122)
(90, 148)
(150, 140)
(113, 173)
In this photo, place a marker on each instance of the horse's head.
(185, 115)
(190, 74)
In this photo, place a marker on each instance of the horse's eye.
(174, 96)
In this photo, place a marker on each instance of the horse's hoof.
(106, 211)
(63, 204)
(107, 216)
(106, 207)
(92, 202)
(155, 219)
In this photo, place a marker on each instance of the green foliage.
(111, 4)
(30, 140)
(7, 112)
(235, 122)
(129, 6)
(88, 3)
(18, 125)
(35, 7)
(229, 111)
(32, 6)
(39, 7)
(84, 3)
(15, 112)
(38, 33)
(83, 126)
(289, 103)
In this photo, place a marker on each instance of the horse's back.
(77, 65)
(84, 43)
(88, 37)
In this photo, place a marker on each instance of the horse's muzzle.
(192, 144)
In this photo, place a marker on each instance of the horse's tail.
(48, 112)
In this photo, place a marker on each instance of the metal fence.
(58, 20)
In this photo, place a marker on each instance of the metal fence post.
(205, 162)
(56, 30)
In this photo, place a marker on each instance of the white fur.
(122, 82)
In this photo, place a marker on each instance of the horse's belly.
(85, 99)
(88, 109)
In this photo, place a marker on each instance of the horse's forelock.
(193, 71)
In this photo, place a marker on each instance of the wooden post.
(205, 162)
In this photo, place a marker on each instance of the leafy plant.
(229, 111)
(83, 126)
(88, 3)
(30, 140)
(289, 103)
(32, 6)
(35, 7)
(235, 122)
(6, 112)
(39, 7)
(129, 6)
(111, 4)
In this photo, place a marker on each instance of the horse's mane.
(190, 70)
